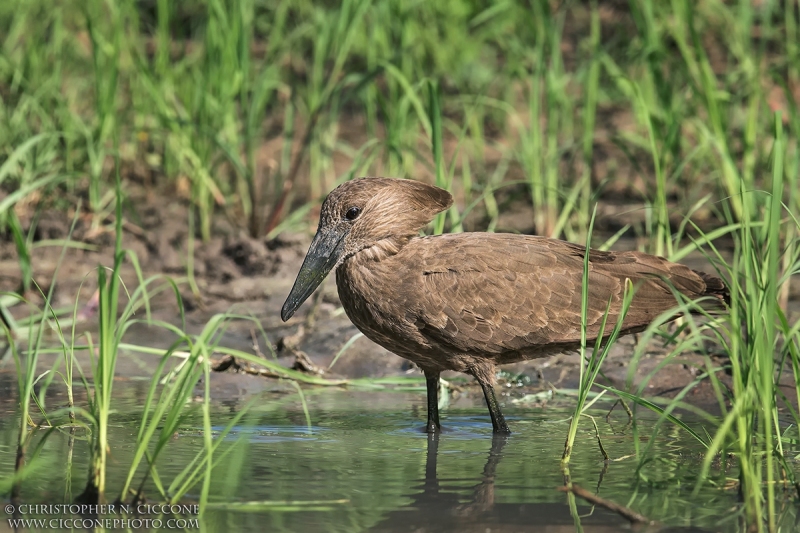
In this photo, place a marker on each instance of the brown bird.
(471, 301)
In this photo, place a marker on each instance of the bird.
(471, 301)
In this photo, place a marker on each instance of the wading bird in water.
(471, 301)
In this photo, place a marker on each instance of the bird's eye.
(352, 213)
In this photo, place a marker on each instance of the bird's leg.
(498, 422)
(432, 381)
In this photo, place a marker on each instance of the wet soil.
(253, 276)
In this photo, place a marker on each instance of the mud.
(234, 272)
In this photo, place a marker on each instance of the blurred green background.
(250, 110)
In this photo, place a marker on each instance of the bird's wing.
(511, 292)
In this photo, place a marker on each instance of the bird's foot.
(501, 429)
(432, 429)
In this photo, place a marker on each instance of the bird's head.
(360, 215)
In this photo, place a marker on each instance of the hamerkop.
(471, 301)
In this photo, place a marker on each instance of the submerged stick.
(594, 499)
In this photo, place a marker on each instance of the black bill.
(322, 256)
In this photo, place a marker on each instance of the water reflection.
(437, 506)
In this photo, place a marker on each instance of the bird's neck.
(381, 250)
(370, 269)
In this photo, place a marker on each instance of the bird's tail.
(716, 289)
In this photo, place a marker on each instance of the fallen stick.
(594, 499)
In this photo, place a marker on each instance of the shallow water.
(369, 467)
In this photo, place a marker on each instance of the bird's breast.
(374, 295)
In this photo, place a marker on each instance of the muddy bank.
(235, 273)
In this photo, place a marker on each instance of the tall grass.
(549, 113)
(590, 365)
(762, 344)
(758, 336)
(168, 402)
